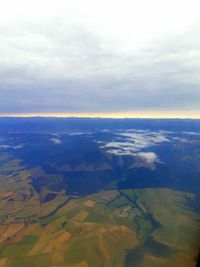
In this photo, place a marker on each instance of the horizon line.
(127, 115)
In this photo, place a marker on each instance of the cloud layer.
(133, 142)
(63, 56)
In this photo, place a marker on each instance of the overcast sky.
(93, 57)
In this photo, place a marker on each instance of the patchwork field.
(112, 228)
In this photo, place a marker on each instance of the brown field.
(89, 203)
(11, 231)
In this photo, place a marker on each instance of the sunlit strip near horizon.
(142, 115)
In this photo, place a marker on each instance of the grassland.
(112, 228)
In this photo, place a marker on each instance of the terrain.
(99, 193)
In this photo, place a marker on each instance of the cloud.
(11, 147)
(191, 133)
(56, 141)
(130, 143)
(79, 133)
(62, 56)
(149, 157)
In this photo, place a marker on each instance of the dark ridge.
(60, 125)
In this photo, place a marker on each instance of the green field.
(112, 228)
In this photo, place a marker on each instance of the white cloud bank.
(133, 142)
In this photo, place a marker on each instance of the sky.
(111, 58)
